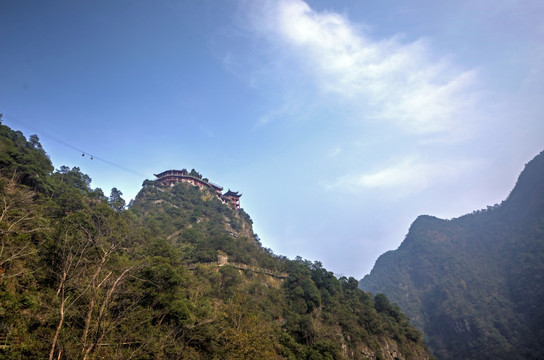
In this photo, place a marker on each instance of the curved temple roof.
(232, 193)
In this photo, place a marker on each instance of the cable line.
(64, 143)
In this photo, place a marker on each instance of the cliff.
(473, 284)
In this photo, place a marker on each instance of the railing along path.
(241, 267)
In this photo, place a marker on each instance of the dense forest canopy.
(84, 276)
(474, 284)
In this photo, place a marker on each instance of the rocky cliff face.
(389, 350)
(313, 308)
(472, 284)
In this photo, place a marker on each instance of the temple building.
(170, 177)
(233, 198)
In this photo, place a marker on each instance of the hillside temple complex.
(170, 177)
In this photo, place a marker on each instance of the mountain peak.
(469, 283)
(528, 194)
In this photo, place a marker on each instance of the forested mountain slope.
(84, 277)
(475, 284)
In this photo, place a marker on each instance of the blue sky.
(339, 121)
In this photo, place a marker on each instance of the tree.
(91, 265)
(243, 335)
(195, 174)
(116, 202)
(19, 219)
(34, 142)
(73, 177)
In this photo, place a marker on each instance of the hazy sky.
(339, 121)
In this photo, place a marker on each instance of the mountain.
(475, 284)
(178, 274)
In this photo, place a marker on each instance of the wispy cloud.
(272, 115)
(400, 82)
(405, 176)
(335, 152)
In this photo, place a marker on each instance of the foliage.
(25, 160)
(82, 277)
(473, 284)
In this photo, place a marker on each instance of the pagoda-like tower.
(232, 198)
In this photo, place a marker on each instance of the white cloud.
(400, 82)
(405, 176)
(335, 152)
(272, 115)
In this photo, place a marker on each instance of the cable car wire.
(64, 143)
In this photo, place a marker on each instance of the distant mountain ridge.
(475, 284)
